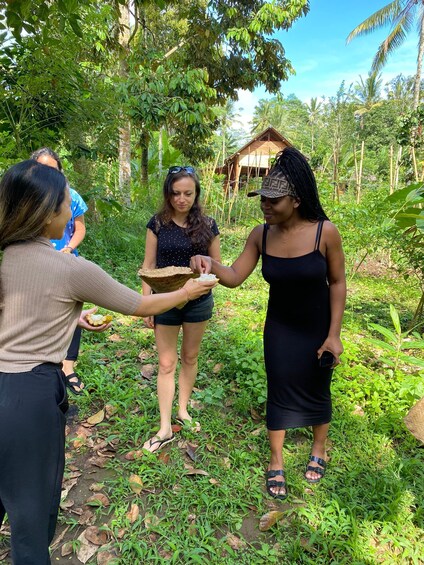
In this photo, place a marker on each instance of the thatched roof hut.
(253, 160)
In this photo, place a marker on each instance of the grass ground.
(201, 500)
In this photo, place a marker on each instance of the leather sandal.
(270, 474)
(319, 470)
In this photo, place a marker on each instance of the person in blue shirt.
(72, 237)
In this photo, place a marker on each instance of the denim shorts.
(193, 312)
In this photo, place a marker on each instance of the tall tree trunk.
(160, 151)
(417, 83)
(391, 170)
(144, 168)
(125, 127)
(361, 164)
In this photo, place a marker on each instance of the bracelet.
(69, 247)
(188, 296)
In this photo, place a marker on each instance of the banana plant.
(396, 343)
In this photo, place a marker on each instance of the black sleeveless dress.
(297, 324)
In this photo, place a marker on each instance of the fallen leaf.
(106, 557)
(86, 549)
(192, 471)
(132, 455)
(143, 355)
(96, 535)
(255, 416)
(191, 451)
(115, 338)
(257, 432)
(217, 368)
(133, 513)
(176, 428)
(226, 462)
(110, 410)
(136, 484)
(121, 533)
(235, 542)
(97, 487)
(59, 538)
(120, 353)
(4, 554)
(98, 499)
(147, 371)
(269, 519)
(164, 457)
(96, 418)
(67, 549)
(214, 482)
(97, 461)
(66, 504)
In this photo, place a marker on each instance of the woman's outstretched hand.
(196, 288)
(201, 264)
(82, 322)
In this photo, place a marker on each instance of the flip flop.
(160, 442)
(75, 384)
(319, 470)
(195, 426)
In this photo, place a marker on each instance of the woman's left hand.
(334, 345)
(82, 322)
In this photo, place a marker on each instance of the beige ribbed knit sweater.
(43, 294)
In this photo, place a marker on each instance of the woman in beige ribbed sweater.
(42, 294)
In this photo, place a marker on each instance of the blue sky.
(316, 47)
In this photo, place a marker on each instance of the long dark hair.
(198, 225)
(30, 194)
(50, 153)
(292, 164)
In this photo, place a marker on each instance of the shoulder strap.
(264, 233)
(318, 236)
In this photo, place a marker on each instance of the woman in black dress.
(303, 262)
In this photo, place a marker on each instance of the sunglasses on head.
(174, 170)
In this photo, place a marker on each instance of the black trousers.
(73, 350)
(32, 445)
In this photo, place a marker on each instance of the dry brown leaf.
(218, 367)
(143, 355)
(115, 338)
(97, 487)
(269, 519)
(98, 499)
(87, 518)
(136, 484)
(191, 471)
(73, 475)
(257, 432)
(121, 353)
(59, 538)
(132, 455)
(66, 504)
(96, 418)
(214, 482)
(176, 428)
(86, 549)
(67, 549)
(235, 542)
(133, 513)
(66, 487)
(97, 461)
(147, 371)
(121, 533)
(106, 557)
(191, 451)
(110, 410)
(4, 554)
(164, 457)
(255, 416)
(96, 535)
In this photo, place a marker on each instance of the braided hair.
(292, 164)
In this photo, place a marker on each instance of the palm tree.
(401, 16)
(313, 109)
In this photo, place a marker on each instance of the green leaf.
(391, 336)
(395, 319)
